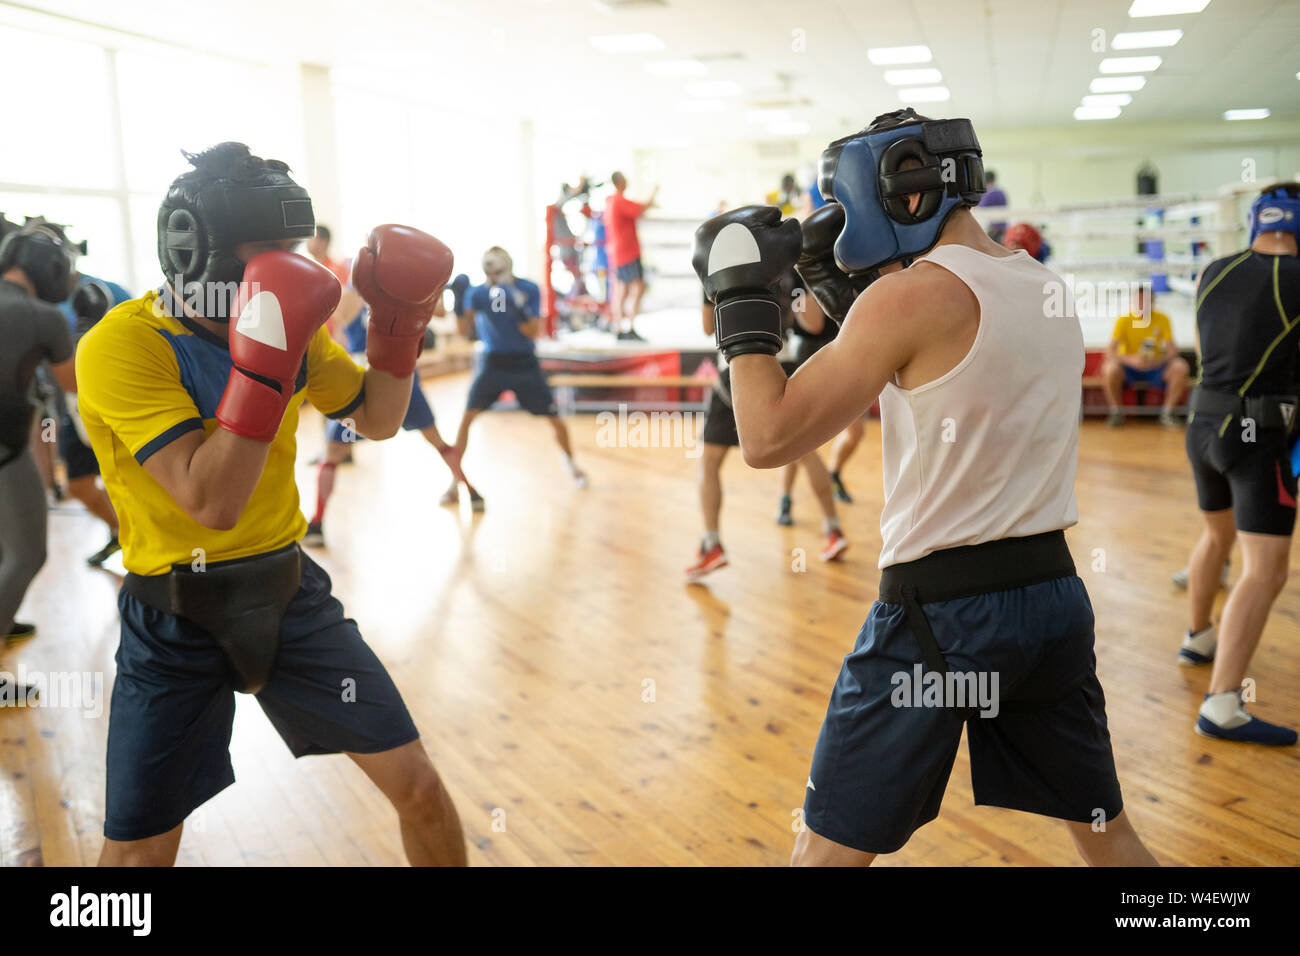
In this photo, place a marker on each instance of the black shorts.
(1254, 479)
(76, 454)
(172, 707)
(630, 271)
(720, 421)
(884, 754)
(521, 374)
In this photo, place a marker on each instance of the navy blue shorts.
(630, 271)
(1151, 376)
(882, 762)
(419, 416)
(170, 719)
(76, 454)
(521, 374)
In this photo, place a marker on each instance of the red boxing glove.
(400, 273)
(283, 299)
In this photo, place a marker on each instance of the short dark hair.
(323, 232)
(228, 161)
(990, 176)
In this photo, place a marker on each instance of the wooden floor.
(586, 707)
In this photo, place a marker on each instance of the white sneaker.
(1198, 648)
(1180, 577)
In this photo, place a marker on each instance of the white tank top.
(988, 450)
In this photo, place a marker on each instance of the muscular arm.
(782, 420)
(387, 398)
(706, 317)
(210, 478)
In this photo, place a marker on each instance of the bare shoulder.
(928, 295)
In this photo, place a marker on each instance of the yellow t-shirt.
(144, 378)
(1136, 334)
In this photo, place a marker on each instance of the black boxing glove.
(459, 286)
(90, 303)
(740, 256)
(834, 290)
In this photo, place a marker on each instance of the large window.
(66, 158)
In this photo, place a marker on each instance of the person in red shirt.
(624, 250)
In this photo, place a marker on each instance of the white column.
(320, 144)
(532, 221)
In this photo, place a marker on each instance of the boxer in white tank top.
(976, 358)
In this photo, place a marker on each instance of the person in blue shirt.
(504, 313)
(89, 302)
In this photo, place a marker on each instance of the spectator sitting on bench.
(1142, 350)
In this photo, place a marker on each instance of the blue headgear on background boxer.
(231, 196)
(46, 256)
(864, 173)
(1276, 210)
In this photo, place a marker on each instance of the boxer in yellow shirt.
(1142, 350)
(193, 418)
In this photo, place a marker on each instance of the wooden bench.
(568, 383)
(1098, 381)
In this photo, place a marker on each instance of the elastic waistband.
(1267, 411)
(978, 569)
(509, 361)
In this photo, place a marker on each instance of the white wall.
(1083, 161)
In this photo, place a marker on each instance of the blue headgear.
(864, 174)
(1277, 209)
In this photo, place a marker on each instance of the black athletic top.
(1248, 320)
(31, 331)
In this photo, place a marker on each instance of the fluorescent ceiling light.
(789, 128)
(894, 55)
(1107, 99)
(676, 68)
(715, 88)
(904, 77)
(627, 43)
(1145, 40)
(1117, 84)
(1245, 114)
(767, 116)
(1129, 64)
(1165, 8)
(924, 94)
(702, 106)
(1095, 112)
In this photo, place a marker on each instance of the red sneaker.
(707, 561)
(836, 544)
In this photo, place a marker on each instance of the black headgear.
(229, 197)
(46, 256)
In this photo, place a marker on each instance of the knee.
(423, 796)
(1273, 577)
